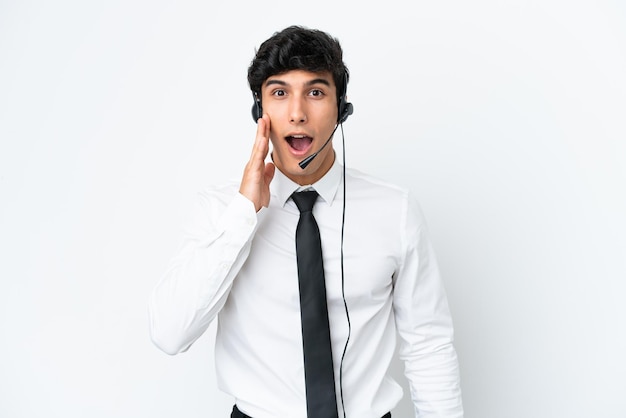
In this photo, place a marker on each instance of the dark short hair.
(298, 48)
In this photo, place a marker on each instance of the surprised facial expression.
(302, 107)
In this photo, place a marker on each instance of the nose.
(297, 111)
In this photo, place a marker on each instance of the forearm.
(425, 328)
(434, 382)
(198, 280)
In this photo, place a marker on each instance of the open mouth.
(299, 143)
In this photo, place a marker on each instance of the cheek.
(277, 145)
(273, 135)
(331, 127)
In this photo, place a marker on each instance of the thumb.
(270, 169)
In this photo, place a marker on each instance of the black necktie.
(321, 401)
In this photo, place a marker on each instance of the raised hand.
(257, 175)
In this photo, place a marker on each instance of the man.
(240, 262)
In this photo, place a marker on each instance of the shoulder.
(375, 187)
(388, 198)
(223, 193)
(214, 202)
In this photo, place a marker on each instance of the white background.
(507, 118)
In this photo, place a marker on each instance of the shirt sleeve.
(198, 279)
(425, 325)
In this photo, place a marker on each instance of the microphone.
(304, 163)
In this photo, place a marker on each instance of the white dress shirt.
(240, 266)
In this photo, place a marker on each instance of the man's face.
(302, 107)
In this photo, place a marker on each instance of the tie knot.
(305, 200)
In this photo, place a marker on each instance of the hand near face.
(257, 175)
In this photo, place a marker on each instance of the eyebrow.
(307, 84)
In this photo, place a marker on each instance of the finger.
(261, 144)
(262, 138)
(266, 119)
(258, 139)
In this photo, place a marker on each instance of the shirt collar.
(282, 187)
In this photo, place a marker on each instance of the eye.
(316, 93)
(279, 93)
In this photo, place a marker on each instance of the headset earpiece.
(345, 108)
(257, 109)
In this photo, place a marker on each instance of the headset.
(344, 107)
